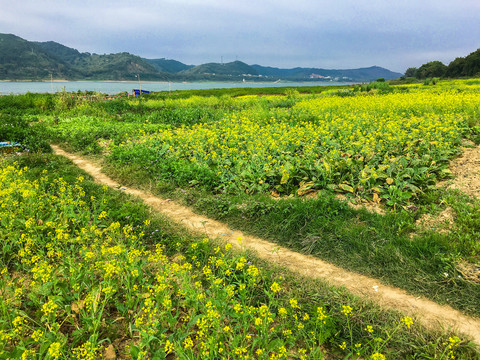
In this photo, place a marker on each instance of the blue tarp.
(7, 147)
(6, 144)
(136, 92)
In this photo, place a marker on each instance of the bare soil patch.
(427, 312)
(469, 271)
(466, 178)
(105, 145)
(466, 172)
(440, 223)
(371, 206)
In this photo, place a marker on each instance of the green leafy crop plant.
(389, 146)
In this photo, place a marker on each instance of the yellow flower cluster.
(81, 269)
(208, 298)
(359, 143)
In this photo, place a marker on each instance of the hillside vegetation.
(468, 66)
(24, 60)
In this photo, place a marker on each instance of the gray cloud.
(340, 34)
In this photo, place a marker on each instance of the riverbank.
(115, 87)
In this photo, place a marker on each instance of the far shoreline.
(116, 87)
(83, 81)
(176, 82)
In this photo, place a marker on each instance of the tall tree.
(431, 69)
(472, 64)
(411, 71)
(456, 68)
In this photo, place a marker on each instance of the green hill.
(61, 52)
(168, 65)
(25, 60)
(362, 74)
(121, 66)
(233, 69)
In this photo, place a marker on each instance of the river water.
(111, 87)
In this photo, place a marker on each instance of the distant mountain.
(363, 74)
(25, 60)
(121, 66)
(276, 72)
(61, 52)
(168, 65)
(235, 68)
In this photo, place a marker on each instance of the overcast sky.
(334, 34)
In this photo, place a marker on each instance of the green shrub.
(32, 137)
(381, 86)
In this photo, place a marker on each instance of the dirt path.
(425, 311)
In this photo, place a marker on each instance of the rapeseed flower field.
(74, 281)
(82, 277)
(70, 277)
(387, 147)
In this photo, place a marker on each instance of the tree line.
(468, 66)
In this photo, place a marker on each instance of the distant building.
(316, 76)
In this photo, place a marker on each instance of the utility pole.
(139, 84)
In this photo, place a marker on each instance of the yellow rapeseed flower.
(275, 287)
(54, 350)
(346, 309)
(407, 320)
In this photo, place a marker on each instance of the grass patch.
(379, 246)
